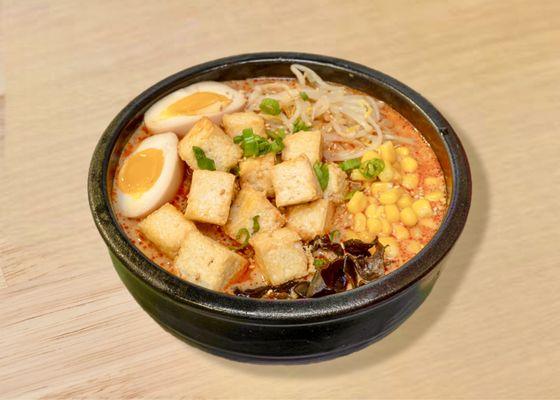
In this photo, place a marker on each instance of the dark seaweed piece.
(330, 279)
(325, 243)
(350, 270)
(254, 293)
(371, 267)
(334, 274)
(317, 287)
(285, 287)
(277, 292)
(358, 248)
(301, 289)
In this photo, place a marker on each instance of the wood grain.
(490, 329)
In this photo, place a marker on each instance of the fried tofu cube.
(338, 184)
(247, 204)
(280, 255)
(295, 182)
(205, 262)
(217, 146)
(311, 219)
(235, 123)
(210, 196)
(255, 173)
(303, 142)
(166, 228)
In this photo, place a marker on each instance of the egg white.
(183, 123)
(165, 187)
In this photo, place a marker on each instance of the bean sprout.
(350, 120)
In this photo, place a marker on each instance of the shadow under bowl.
(289, 330)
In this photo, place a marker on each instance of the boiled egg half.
(179, 111)
(150, 176)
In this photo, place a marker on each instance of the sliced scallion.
(202, 161)
(270, 106)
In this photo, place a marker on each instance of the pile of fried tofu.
(286, 197)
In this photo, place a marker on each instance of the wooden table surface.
(490, 329)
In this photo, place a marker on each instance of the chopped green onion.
(350, 164)
(202, 161)
(299, 125)
(278, 136)
(322, 172)
(252, 145)
(256, 225)
(371, 168)
(319, 262)
(276, 146)
(270, 106)
(280, 133)
(242, 232)
(334, 235)
(255, 145)
(304, 96)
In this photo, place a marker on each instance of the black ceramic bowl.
(289, 330)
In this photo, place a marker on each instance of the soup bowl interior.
(430, 123)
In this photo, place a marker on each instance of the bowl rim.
(297, 310)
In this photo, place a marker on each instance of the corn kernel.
(391, 246)
(410, 181)
(380, 212)
(387, 174)
(422, 208)
(400, 232)
(408, 217)
(365, 237)
(428, 223)
(392, 213)
(370, 155)
(402, 151)
(431, 181)
(360, 222)
(374, 225)
(409, 164)
(389, 197)
(392, 251)
(378, 187)
(387, 241)
(386, 227)
(357, 203)
(416, 232)
(370, 211)
(404, 201)
(388, 152)
(413, 246)
(356, 175)
(435, 196)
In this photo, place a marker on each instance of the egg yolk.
(197, 103)
(141, 171)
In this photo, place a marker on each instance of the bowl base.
(290, 360)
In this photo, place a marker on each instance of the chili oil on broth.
(430, 180)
